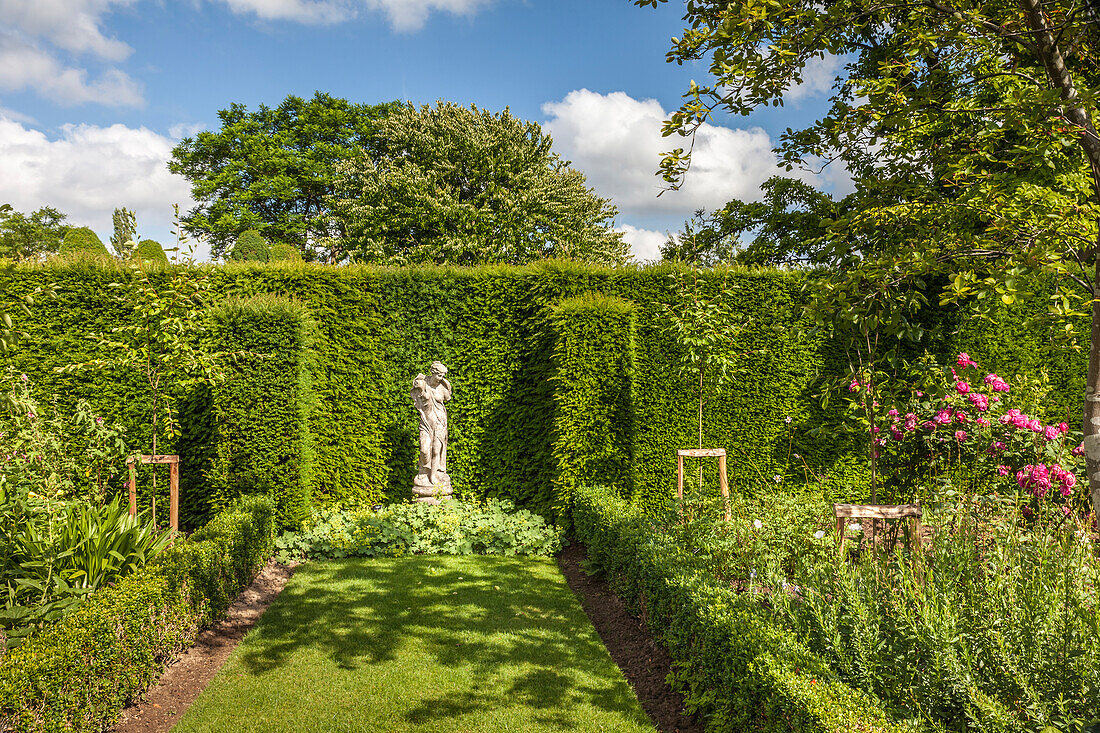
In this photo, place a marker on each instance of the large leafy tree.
(30, 236)
(272, 170)
(787, 227)
(466, 186)
(969, 127)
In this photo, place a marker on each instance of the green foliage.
(250, 247)
(81, 243)
(30, 237)
(81, 672)
(455, 527)
(283, 252)
(788, 226)
(593, 438)
(56, 553)
(150, 250)
(124, 237)
(272, 169)
(262, 442)
(55, 454)
(737, 666)
(447, 184)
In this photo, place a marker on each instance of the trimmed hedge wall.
(261, 441)
(737, 668)
(495, 328)
(79, 674)
(593, 438)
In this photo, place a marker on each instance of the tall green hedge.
(79, 674)
(494, 327)
(593, 438)
(82, 242)
(262, 442)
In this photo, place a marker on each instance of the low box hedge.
(736, 666)
(79, 674)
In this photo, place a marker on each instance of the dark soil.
(643, 662)
(185, 679)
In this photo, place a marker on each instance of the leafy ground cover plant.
(456, 527)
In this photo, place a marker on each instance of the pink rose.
(1079, 450)
(961, 417)
(960, 435)
(1066, 510)
(965, 361)
(943, 417)
(962, 387)
(1003, 470)
(1035, 426)
(1050, 433)
(983, 422)
(910, 421)
(979, 401)
(1063, 428)
(892, 413)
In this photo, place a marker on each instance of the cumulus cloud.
(645, 244)
(73, 25)
(25, 66)
(616, 140)
(403, 15)
(87, 171)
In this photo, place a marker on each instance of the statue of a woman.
(429, 393)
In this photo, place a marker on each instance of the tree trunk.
(1091, 422)
(701, 371)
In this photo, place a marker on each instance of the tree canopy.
(969, 128)
(29, 237)
(272, 170)
(466, 186)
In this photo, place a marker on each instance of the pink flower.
(1063, 428)
(998, 446)
(1069, 480)
(991, 378)
(1065, 491)
(920, 394)
(99, 421)
(979, 401)
(30, 415)
(896, 434)
(965, 361)
(983, 422)
(994, 398)
(928, 425)
(1001, 386)
(960, 435)
(1050, 433)
(1035, 479)
(910, 421)
(1066, 510)
(943, 417)
(1020, 422)
(1035, 426)
(961, 417)
(1003, 470)
(893, 413)
(1079, 450)
(23, 377)
(962, 387)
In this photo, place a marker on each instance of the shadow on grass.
(507, 624)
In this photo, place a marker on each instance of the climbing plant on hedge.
(262, 443)
(593, 438)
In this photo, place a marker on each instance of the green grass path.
(421, 644)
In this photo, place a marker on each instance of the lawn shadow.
(506, 624)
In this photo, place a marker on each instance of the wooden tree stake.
(720, 454)
(174, 486)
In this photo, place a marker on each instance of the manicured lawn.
(421, 644)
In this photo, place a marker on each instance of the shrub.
(150, 250)
(80, 673)
(283, 252)
(250, 247)
(738, 667)
(455, 527)
(82, 242)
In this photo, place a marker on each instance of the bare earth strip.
(187, 677)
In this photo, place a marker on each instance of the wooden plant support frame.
(720, 454)
(912, 512)
(174, 487)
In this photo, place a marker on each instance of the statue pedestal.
(428, 492)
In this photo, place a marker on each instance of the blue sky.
(94, 93)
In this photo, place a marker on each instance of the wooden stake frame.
(912, 512)
(720, 454)
(174, 486)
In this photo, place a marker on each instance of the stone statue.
(429, 393)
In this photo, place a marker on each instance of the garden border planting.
(80, 673)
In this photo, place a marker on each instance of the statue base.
(425, 491)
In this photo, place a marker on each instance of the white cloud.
(403, 15)
(644, 244)
(74, 25)
(616, 140)
(817, 78)
(25, 66)
(181, 130)
(87, 171)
